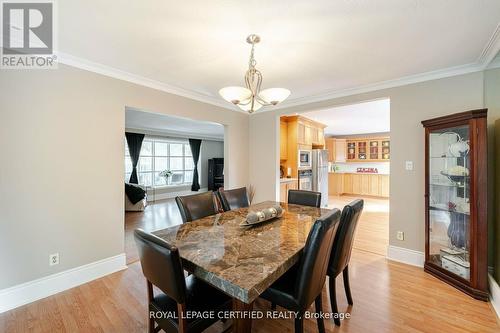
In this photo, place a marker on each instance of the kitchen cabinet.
(384, 186)
(370, 149)
(308, 140)
(283, 140)
(285, 185)
(335, 183)
(359, 184)
(348, 183)
(301, 133)
(336, 150)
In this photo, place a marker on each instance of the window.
(158, 155)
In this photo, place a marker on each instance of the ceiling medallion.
(251, 98)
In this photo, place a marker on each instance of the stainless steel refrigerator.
(320, 174)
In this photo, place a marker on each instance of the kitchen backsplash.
(382, 167)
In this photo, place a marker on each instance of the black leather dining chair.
(162, 267)
(306, 198)
(233, 199)
(196, 206)
(341, 252)
(303, 283)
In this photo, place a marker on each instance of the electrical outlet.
(54, 259)
(400, 235)
(409, 165)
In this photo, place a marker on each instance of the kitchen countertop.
(288, 180)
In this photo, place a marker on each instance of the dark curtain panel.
(134, 141)
(195, 145)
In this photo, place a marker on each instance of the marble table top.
(242, 261)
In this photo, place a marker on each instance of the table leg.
(242, 325)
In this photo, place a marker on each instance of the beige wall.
(409, 106)
(492, 102)
(61, 170)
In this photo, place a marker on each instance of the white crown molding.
(70, 60)
(406, 256)
(495, 63)
(403, 81)
(483, 62)
(491, 49)
(31, 291)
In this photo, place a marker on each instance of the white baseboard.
(31, 291)
(494, 294)
(168, 195)
(406, 256)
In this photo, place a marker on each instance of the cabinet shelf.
(448, 210)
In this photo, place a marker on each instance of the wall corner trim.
(34, 290)
(494, 294)
(406, 256)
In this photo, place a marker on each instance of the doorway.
(166, 168)
(349, 149)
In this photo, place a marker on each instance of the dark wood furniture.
(243, 262)
(162, 267)
(298, 288)
(215, 174)
(341, 252)
(456, 199)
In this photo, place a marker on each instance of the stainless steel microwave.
(305, 159)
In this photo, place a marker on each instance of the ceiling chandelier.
(251, 98)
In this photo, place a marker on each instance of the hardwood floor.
(372, 233)
(157, 215)
(388, 296)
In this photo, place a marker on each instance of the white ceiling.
(172, 126)
(361, 118)
(313, 48)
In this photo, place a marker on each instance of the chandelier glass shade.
(250, 98)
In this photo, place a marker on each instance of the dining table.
(242, 261)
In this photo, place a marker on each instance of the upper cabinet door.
(301, 133)
(308, 135)
(340, 150)
(283, 140)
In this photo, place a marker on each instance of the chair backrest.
(344, 239)
(196, 206)
(161, 265)
(313, 264)
(233, 199)
(306, 198)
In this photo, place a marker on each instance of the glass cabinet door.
(449, 193)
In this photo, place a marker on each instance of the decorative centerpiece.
(263, 215)
(166, 174)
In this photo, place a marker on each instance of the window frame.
(169, 141)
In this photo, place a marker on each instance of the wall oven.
(305, 180)
(305, 159)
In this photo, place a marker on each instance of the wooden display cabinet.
(455, 201)
(368, 149)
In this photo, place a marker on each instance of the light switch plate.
(400, 235)
(409, 165)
